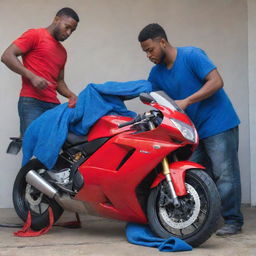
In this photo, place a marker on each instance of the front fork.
(166, 173)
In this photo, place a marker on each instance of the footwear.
(228, 230)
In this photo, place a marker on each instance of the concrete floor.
(107, 237)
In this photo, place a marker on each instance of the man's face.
(64, 27)
(154, 50)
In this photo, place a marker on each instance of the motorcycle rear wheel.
(26, 197)
(196, 219)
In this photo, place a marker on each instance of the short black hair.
(68, 12)
(152, 31)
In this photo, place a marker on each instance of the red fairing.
(114, 172)
(178, 173)
(173, 114)
(110, 187)
(107, 126)
(167, 130)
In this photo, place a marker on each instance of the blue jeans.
(219, 154)
(29, 109)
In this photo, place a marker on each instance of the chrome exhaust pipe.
(64, 200)
(35, 180)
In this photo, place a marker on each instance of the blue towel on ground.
(46, 135)
(141, 235)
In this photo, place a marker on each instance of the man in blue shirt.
(188, 76)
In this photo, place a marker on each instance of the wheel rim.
(35, 200)
(190, 217)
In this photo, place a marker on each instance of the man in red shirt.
(42, 70)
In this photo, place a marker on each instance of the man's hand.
(39, 82)
(72, 101)
(183, 104)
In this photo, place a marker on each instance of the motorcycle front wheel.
(196, 218)
(27, 198)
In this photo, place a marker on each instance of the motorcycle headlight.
(186, 130)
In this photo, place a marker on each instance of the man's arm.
(213, 83)
(63, 90)
(10, 59)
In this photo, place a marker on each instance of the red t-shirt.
(45, 57)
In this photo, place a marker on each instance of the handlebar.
(147, 116)
(127, 123)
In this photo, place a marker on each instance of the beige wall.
(105, 47)
(252, 93)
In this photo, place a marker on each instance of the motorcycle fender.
(178, 172)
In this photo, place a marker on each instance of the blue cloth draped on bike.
(46, 135)
(141, 235)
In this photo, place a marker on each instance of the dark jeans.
(29, 109)
(219, 154)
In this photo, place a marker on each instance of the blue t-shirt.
(187, 75)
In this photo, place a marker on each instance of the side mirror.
(146, 98)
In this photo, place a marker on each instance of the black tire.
(198, 216)
(22, 191)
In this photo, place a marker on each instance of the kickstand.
(71, 224)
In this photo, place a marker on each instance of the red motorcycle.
(134, 170)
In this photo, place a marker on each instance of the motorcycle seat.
(74, 139)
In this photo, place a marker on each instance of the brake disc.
(30, 197)
(181, 223)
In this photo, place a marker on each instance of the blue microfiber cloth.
(141, 235)
(46, 135)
